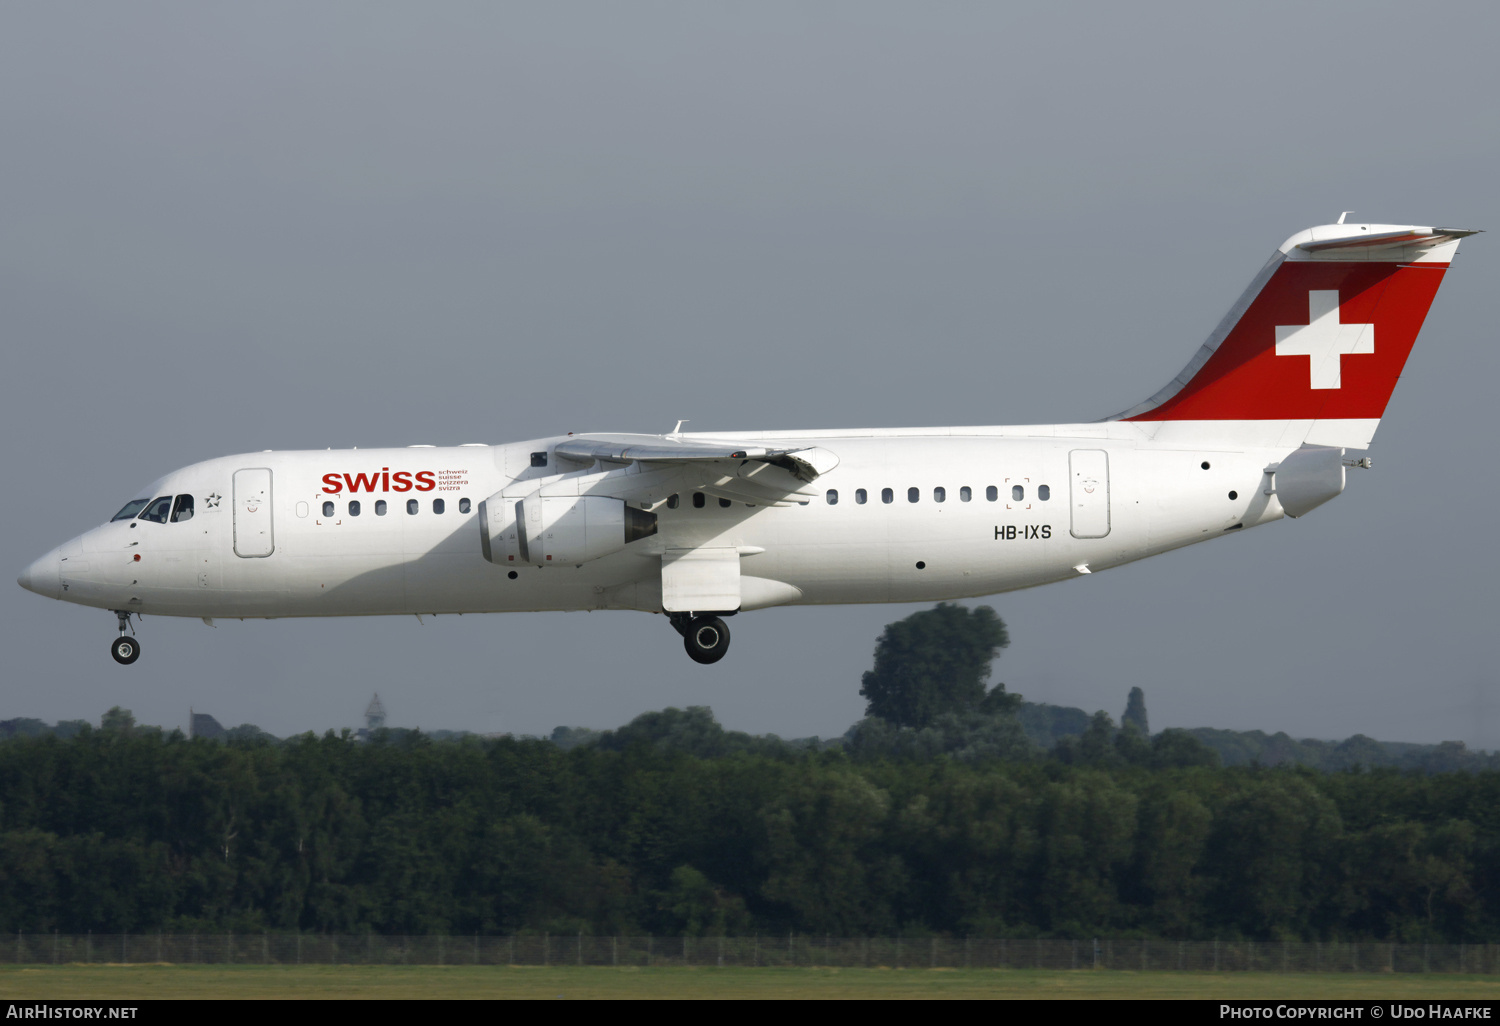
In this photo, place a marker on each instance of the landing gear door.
(252, 513)
(700, 580)
(1089, 492)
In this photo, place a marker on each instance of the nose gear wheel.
(125, 650)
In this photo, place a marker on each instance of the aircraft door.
(252, 513)
(1089, 492)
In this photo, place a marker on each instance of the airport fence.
(789, 950)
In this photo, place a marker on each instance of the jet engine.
(547, 530)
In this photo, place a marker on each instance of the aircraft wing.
(725, 469)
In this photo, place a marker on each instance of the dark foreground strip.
(1190, 1010)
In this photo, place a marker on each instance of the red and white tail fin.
(1312, 350)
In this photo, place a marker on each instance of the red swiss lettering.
(385, 481)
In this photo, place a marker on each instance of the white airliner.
(701, 526)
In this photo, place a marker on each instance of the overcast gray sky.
(227, 228)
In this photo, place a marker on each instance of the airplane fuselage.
(904, 517)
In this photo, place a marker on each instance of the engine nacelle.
(546, 530)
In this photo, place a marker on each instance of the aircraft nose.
(43, 576)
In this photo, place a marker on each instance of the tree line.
(938, 813)
(132, 830)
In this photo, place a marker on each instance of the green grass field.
(129, 982)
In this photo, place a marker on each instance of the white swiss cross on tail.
(1323, 339)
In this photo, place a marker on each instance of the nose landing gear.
(125, 650)
(706, 637)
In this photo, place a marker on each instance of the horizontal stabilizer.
(1396, 237)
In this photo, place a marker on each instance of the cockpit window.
(130, 509)
(156, 511)
(182, 509)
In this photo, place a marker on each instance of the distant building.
(203, 725)
(374, 714)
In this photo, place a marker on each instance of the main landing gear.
(125, 650)
(705, 636)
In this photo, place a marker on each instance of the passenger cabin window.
(992, 493)
(833, 496)
(1043, 492)
(354, 507)
(913, 494)
(1017, 493)
(886, 495)
(538, 459)
(725, 503)
(129, 510)
(438, 505)
(673, 501)
(699, 500)
(411, 506)
(861, 496)
(463, 505)
(182, 509)
(328, 509)
(156, 511)
(380, 507)
(965, 494)
(939, 494)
